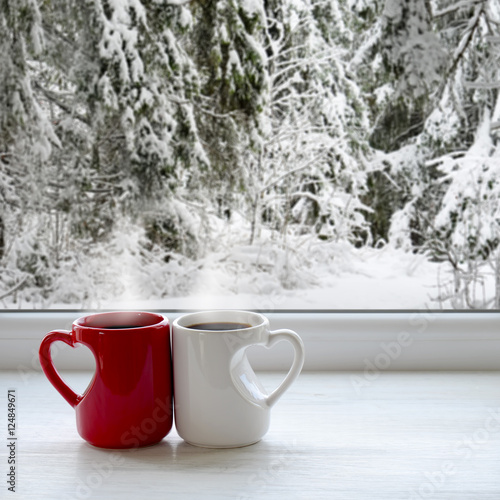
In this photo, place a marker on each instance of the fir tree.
(26, 142)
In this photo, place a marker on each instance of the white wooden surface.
(334, 435)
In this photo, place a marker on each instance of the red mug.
(128, 403)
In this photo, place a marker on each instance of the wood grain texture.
(334, 435)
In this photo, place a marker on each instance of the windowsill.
(400, 436)
(350, 340)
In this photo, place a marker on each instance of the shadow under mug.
(219, 400)
(128, 403)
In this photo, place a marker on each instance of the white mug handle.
(298, 361)
(251, 389)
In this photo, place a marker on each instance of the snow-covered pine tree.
(412, 65)
(465, 231)
(226, 48)
(467, 226)
(112, 88)
(458, 107)
(132, 84)
(26, 141)
(436, 187)
(414, 93)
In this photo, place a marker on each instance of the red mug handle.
(50, 370)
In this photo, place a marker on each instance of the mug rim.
(210, 316)
(155, 321)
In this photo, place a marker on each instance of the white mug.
(218, 400)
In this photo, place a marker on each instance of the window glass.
(305, 154)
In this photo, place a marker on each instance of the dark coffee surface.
(213, 326)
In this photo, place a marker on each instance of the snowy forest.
(159, 148)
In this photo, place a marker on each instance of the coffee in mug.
(128, 403)
(219, 400)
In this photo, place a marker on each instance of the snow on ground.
(266, 276)
(367, 279)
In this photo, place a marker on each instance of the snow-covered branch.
(178, 3)
(271, 183)
(54, 98)
(451, 9)
(14, 289)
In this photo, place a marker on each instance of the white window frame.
(372, 341)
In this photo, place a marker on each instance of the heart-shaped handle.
(50, 370)
(298, 361)
(246, 382)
